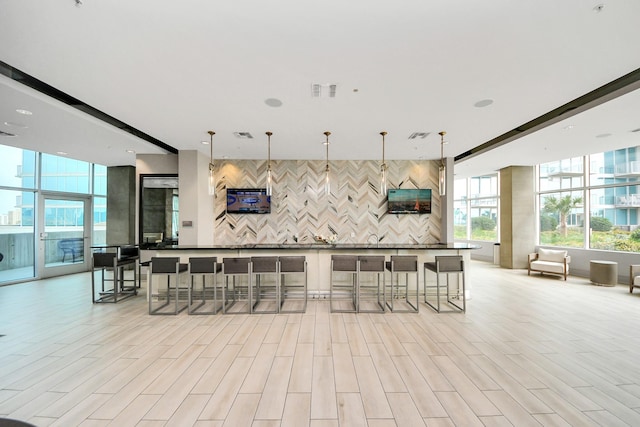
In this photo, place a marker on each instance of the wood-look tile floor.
(529, 351)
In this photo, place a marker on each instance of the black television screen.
(248, 200)
(409, 200)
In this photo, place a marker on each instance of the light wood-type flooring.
(530, 351)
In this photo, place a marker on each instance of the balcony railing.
(628, 169)
(630, 201)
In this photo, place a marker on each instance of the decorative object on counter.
(442, 169)
(269, 177)
(383, 170)
(332, 239)
(327, 179)
(212, 179)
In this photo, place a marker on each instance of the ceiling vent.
(421, 135)
(243, 135)
(325, 90)
(3, 133)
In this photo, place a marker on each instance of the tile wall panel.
(299, 208)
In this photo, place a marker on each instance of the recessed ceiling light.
(62, 153)
(483, 103)
(131, 151)
(23, 111)
(16, 125)
(273, 102)
(603, 135)
(204, 142)
(568, 127)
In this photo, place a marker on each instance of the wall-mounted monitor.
(409, 200)
(248, 201)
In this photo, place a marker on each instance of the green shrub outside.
(599, 223)
(548, 222)
(482, 223)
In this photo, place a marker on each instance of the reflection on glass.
(159, 213)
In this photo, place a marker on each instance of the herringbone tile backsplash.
(299, 208)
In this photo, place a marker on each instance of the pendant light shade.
(269, 177)
(212, 178)
(383, 169)
(327, 179)
(442, 169)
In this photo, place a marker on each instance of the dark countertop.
(321, 246)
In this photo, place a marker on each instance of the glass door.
(64, 243)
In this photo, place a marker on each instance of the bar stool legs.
(343, 295)
(172, 268)
(407, 264)
(242, 300)
(203, 299)
(445, 265)
(371, 295)
(292, 296)
(266, 294)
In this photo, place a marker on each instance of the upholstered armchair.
(551, 261)
(634, 277)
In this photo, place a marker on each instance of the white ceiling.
(175, 70)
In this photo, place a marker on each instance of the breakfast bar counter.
(318, 255)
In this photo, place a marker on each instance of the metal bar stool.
(171, 267)
(118, 292)
(292, 295)
(205, 267)
(237, 268)
(344, 294)
(446, 265)
(371, 296)
(407, 264)
(266, 293)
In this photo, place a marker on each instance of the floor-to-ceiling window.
(17, 213)
(592, 201)
(42, 212)
(475, 214)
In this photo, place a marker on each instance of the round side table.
(604, 273)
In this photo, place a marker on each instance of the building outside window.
(475, 209)
(591, 202)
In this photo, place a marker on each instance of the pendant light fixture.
(212, 179)
(442, 169)
(269, 177)
(327, 180)
(383, 169)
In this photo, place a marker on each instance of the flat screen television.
(248, 201)
(409, 201)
